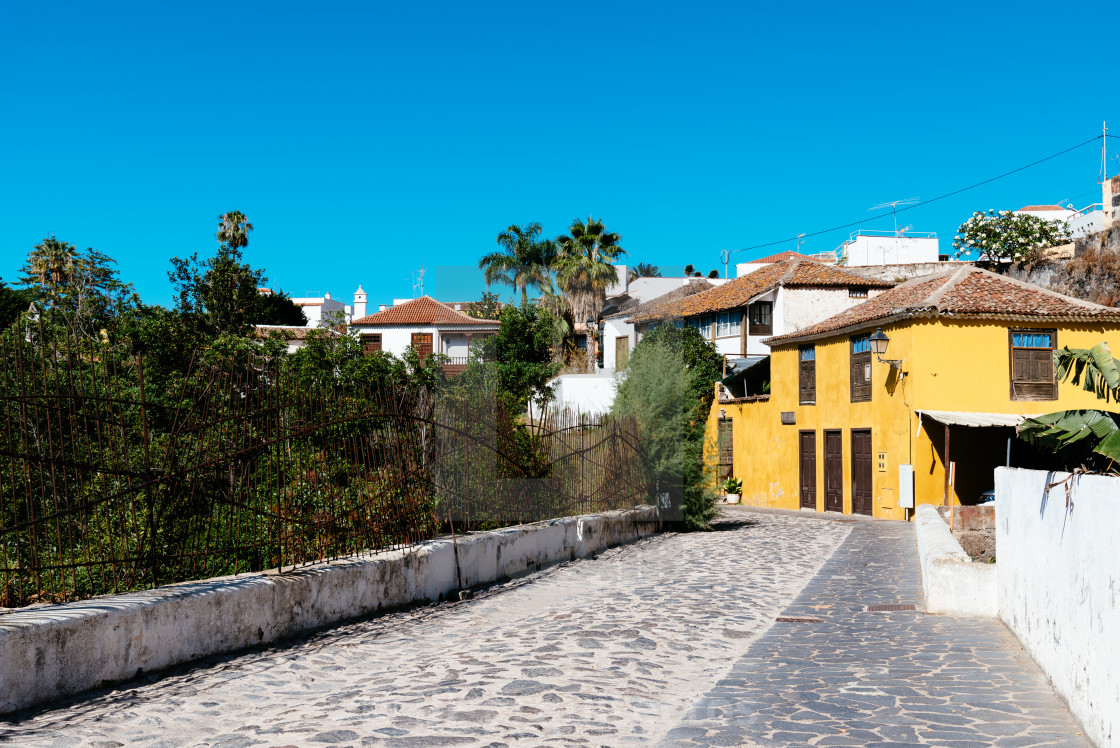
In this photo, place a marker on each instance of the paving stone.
(670, 641)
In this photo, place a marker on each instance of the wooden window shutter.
(807, 383)
(861, 377)
(371, 342)
(1032, 368)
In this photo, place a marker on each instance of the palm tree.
(51, 262)
(584, 270)
(233, 229)
(645, 270)
(523, 261)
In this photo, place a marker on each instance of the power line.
(925, 202)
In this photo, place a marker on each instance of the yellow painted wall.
(949, 365)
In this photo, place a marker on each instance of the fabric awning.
(964, 418)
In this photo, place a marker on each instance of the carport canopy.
(966, 418)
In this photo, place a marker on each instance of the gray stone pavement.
(669, 641)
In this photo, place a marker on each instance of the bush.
(660, 391)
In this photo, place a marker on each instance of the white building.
(321, 311)
(887, 248)
(619, 336)
(1088, 220)
(430, 326)
(778, 299)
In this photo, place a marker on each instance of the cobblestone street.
(668, 641)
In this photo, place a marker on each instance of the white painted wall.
(396, 339)
(802, 307)
(320, 309)
(1058, 580)
(616, 327)
(1084, 224)
(584, 393)
(951, 582)
(889, 250)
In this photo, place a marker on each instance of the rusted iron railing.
(112, 481)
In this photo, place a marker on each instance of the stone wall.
(57, 650)
(974, 527)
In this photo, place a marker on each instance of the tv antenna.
(800, 241)
(418, 282)
(1104, 152)
(893, 205)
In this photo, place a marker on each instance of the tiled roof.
(650, 309)
(789, 254)
(738, 292)
(288, 332)
(966, 292)
(1042, 207)
(422, 311)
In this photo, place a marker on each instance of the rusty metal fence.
(110, 482)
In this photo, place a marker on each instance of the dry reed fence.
(109, 483)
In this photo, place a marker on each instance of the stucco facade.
(949, 365)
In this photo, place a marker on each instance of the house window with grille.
(861, 369)
(371, 342)
(1032, 364)
(857, 292)
(807, 375)
(760, 314)
(727, 325)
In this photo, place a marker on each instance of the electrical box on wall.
(906, 486)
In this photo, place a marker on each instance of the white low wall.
(50, 652)
(1059, 586)
(951, 581)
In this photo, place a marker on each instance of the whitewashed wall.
(585, 393)
(396, 339)
(616, 327)
(802, 307)
(1058, 579)
(887, 250)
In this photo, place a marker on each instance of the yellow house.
(969, 355)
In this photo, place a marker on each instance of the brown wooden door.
(861, 471)
(808, 469)
(621, 352)
(833, 471)
(422, 341)
(726, 448)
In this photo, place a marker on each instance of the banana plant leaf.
(1093, 368)
(1064, 428)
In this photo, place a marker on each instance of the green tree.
(713, 273)
(77, 289)
(689, 269)
(488, 307)
(524, 259)
(13, 303)
(522, 354)
(660, 392)
(700, 359)
(1005, 236)
(220, 293)
(645, 270)
(1079, 432)
(278, 309)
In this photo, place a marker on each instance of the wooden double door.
(834, 470)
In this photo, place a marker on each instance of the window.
(727, 325)
(1032, 364)
(371, 342)
(861, 369)
(857, 292)
(807, 375)
(703, 324)
(760, 318)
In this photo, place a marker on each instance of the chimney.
(327, 295)
(359, 303)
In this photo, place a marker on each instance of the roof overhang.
(976, 420)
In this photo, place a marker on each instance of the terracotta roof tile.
(966, 292)
(738, 292)
(1042, 207)
(789, 254)
(422, 311)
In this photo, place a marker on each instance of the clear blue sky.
(365, 140)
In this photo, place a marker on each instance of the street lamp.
(879, 342)
(590, 345)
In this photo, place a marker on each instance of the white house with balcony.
(426, 324)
